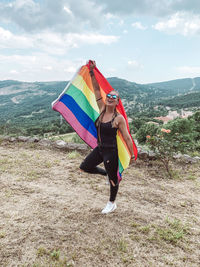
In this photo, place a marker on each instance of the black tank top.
(106, 133)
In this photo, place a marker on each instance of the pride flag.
(77, 104)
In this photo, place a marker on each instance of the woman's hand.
(100, 103)
(92, 64)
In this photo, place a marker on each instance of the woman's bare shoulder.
(118, 120)
(120, 117)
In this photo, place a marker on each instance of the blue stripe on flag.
(81, 116)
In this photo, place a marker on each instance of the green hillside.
(179, 86)
(25, 107)
(183, 101)
(28, 105)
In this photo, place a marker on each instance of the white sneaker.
(109, 207)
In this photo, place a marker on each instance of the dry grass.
(51, 213)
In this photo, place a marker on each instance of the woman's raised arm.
(96, 87)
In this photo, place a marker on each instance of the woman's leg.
(110, 159)
(91, 161)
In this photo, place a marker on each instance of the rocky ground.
(50, 212)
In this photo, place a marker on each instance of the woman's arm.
(124, 131)
(96, 87)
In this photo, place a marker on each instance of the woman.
(107, 124)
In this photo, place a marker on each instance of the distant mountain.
(137, 97)
(179, 86)
(183, 101)
(29, 104)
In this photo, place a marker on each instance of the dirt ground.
(50, 213)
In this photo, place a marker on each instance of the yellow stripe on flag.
(123, 152)
(79, 83)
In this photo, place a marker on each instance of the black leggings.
(109, 157)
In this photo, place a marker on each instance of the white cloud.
(138, 25)
(180, 23)
(135, 64)
(188, 70)
(70, 69)
(59, 16)
(67, 9)
(17, 59)
(10, 40)
(149, 7)
(52, 43)
(47, 68)
(92, 38)
(77, 15)
(121, 22)
(111, 71)
(14, 72)
(109, 16)
(38, 67)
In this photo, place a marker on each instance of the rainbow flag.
(77, 104)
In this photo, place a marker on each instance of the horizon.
(106, 78)
(140, 42)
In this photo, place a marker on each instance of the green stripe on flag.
(82, 101)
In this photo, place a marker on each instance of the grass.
(27, 165)
(5, 164)
(24, 155)
(8, 193)
(134, 224)
(52, 258)
(171, 231)
(4, 161)
(68, 138)
(73, 155)
(1, 140)
(77, 139)
(176, 174)
(145, 229)
(41, 252)
(192, 177)
(2, 234)
(171, 235)
(62, 213)
(195, 154)
(55, 254)
(49, 164)
(122, 245)
(33, 175)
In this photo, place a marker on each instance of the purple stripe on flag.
(71, 119)
(119, 176)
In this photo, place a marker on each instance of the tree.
(146, 129)
(165, 145)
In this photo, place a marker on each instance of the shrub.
(182, 126)
(165, 144)
(146, 129)
(77, 139)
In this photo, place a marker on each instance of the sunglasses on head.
(112, 96)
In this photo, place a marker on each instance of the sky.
(142, 41)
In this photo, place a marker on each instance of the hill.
(51, 213)
(26, 107)
(179, 86)
(183, 101)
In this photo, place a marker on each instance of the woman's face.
(112, 99)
